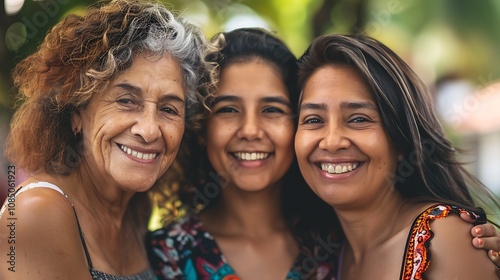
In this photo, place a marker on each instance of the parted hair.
(78, 59)
(429, 170)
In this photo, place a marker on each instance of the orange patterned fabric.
(418, 257)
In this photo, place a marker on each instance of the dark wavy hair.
(429, 170)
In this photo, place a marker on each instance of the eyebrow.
(312, 106)
(358, 105)
(343, 105)
(269, 99)
(222, 98)
(277, 99)
(138, 91)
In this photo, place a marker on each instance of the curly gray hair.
(78, 59)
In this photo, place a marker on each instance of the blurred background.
(453, 45)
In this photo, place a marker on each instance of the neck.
(101, 204)
(373, 225)
(240, 212)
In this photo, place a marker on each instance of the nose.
(146, 125)
(251, 127)
(334, 138)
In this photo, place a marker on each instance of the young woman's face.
(132, 130)
(249, 135)
(342, 148)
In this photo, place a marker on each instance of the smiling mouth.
(339, 168)
(251, 156)
(136, 154)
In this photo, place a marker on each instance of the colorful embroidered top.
(184, 250)
(417, 255)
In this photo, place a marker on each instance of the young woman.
(369, 144)
(259, 220)
(251, 224)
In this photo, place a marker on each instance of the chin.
(250, 186)
(136, 184)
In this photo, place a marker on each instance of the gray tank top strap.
(37, 185)
(57, 189)
(148, 274)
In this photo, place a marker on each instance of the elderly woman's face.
(133, 129)
(342, 148)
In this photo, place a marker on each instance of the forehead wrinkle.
(129, 87)
(135, 90)
(313, 106)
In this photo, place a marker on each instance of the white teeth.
(138, 155)
(338, 168)
(330, 168)
(251, 156)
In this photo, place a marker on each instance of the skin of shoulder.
(43, 239)
(452, 254)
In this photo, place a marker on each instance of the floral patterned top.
(417, 255)
(184, 250)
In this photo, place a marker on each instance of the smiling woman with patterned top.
(369, 144)
(249, 228)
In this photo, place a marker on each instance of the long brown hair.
(430, 170)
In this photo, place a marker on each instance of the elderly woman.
(104, 102)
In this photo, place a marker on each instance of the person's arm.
(452, 255)
(42, 238)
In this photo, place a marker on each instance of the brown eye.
(127, 103)
(226, 110)
(273, 110)
(313, 120)
(359, 120)
(124, 101)
(168, 110)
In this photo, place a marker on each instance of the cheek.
(218, 134)
(301, 146)
(172, 134)
(105, 124)
(284, 135)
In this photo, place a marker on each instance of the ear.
(76, 122)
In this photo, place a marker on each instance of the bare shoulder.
(41, 231)
(452, 253)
